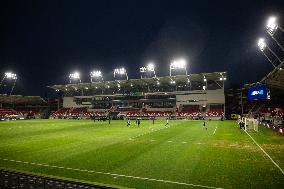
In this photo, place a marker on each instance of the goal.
(251, 124)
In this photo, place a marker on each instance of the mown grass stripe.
(113, 174)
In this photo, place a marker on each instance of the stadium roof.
(214, 76)
(19, 99)
(276, 77)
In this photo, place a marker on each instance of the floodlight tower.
(96, 75)
(149, 70)
(119, 72)
(179, 64)
(74, 77)
(262, 46)
(10, 76)
(271, 28)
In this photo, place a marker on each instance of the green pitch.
(183, 155)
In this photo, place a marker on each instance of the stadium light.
(261, 44)
(151, 67)
(271, 25)
(10, 75)
(179, 64)
(271, 28)
(96, 75)
(120, 72)
(223, 78)
(74, 77)
(148, 70)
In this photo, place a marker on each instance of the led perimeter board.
(258, 92)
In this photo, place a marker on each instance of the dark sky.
(43, 41)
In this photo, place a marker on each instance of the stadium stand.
(189, 96)
(21, 107)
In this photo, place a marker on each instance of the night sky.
(43, 41)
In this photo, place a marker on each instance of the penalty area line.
(112, 174)
(265, 153)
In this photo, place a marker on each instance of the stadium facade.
(192, 96)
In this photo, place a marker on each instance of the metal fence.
(17, 180)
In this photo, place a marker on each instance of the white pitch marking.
(170, 141)
(128, 176)
(184, 142)
(266, 153)
(215, 130)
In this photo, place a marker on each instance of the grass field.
(183, 155)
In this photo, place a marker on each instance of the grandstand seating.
(76, 112)
(157, 114)
(216, 112)
(8, 113)
(192, 111)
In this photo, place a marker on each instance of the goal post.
(251, 124)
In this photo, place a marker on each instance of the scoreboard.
(258, 92)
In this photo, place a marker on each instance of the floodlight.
(131, 84)
(204, 79)
(158, 83)
(75, 75)
(271, 25)
(143, 69)
(151, 67)
(179, 64)
(148, 71)
(261, 44)
(96, 73)
(10, 75)
(120, 72)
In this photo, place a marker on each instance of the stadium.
(182, 130)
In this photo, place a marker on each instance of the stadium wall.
(68, 102)
(200, 97)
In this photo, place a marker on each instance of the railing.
(17, 180)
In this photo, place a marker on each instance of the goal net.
(251, 124)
